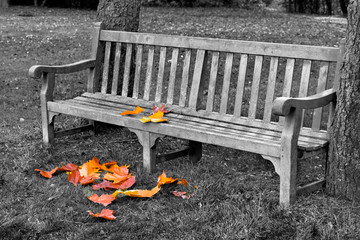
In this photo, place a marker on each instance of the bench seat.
(209, 129)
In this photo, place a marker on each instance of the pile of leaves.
(114, 177)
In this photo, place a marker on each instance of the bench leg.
(289, 157)
(148, 142)
(48, 129)
(195, 152)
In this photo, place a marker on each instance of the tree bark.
(120, 15)
(343, 6)
(343, 171)
(4, 3)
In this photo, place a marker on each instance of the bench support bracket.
(148, 142)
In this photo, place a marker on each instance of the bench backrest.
(227, 80)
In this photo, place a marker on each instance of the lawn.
(237, 194)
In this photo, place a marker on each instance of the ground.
(237, 194)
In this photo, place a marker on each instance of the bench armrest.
(37, 70)
(282, 105)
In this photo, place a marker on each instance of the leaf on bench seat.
(159, 109)
(156, 117)
(136, 111)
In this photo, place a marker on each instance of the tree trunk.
(343, 172)
(328, 7)
(119, 14)
(4, 3)
(343, 6)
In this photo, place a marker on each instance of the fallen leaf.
(136, 111)
(138, 193)
(89, 179)
(74, 177)
(111, 186)
(105, 213)
(162, 179)
(145, 119)
(184, 195)
(183, 182)
(120, 174)
(47, 174)
(104, 199)
(108, 166)
(161, 109)
(68, 167)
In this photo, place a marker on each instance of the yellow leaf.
(138, 193)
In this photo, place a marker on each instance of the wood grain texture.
(322, 82)
(115, 81)
(149, 70)
(270, 92)
(226, 83)
(173, 67)
(160, 77)
(240, 85)
(105, 77)
(212, 81)
(255, 87)
(127, 69)
(138, 63)
(185, 78)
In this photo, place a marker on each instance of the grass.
(237, 196)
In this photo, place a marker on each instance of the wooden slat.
(322, 81)
(226, 83)
(185, 78)
(149, 70)
(270, 89)
(115, 81)
(225, 45)
(127, 66)
(197, 76)
(240, 85)
(288, 79)
(304, 83)
(105, 77)
(160, 78)
(203, 114)
(212, 81)
(255, 87)
(171, 86)
(97, 52)
(138, 61)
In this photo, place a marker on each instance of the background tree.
(4, 3)
(343, 178)
(119, 14)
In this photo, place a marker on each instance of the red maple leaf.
(47, 174)
(105, 213)
(159, 109)
(68, 167)
(104, 199)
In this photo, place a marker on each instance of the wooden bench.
(219, 92)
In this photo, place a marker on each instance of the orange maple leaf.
(104, 199)
(47, 174)
(161, 109)
(108, 166)
(156, 117)
(138, 193)
(68, 167)
(136, 111)
(105, 213)
(89, 179)
(162, 179)
(120, 174)
(183, 182)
